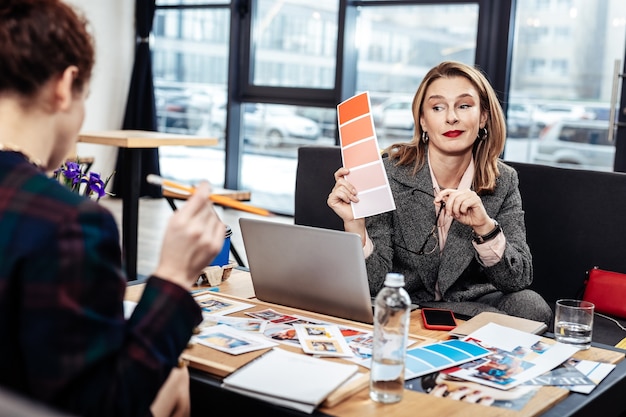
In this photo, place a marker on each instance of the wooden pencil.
(216, 198)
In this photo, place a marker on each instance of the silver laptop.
(309, 268)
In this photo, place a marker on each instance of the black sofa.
(575, 220)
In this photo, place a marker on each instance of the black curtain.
(140, 107)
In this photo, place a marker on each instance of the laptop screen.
(309, 268)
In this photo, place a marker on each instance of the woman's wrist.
(490, 234)
(484, 228)
(356, 226)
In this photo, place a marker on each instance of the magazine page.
(576, 375)
(441, 355)
(516, 357)
(595, 371)
(442, 384)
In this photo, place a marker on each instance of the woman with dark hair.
(458, 232)
(65, 341)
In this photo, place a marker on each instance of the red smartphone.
(438, 319)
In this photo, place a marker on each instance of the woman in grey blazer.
(458, 232)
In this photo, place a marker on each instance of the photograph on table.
(227, 339)
(214, 305)
(441, 384)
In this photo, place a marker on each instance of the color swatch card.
(427, 359)
(361, 155)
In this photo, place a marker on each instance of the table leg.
(130, 212)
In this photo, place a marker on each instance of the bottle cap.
(393, 279)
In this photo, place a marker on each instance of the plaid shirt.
(64, 339)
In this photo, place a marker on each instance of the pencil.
(216, 198)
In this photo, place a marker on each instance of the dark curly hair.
(39, 39)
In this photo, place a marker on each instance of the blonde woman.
(458, 232)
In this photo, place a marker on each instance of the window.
(190, 67)
(565, 81)
(559, 66)
(294, 43)
(295, 61)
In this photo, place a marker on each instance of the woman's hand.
(173, 399)
(462, 394)
(466, 207)
(339, 199)
(194, 236)
(342, 194)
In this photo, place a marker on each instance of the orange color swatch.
(353, 108)
(356, 130)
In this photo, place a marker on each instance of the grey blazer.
(460, 275)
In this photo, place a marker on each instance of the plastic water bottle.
(391, 328)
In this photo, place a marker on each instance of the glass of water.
(573, 322)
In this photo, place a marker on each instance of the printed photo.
(282, 333)
(273, 316)
(227, 339)
(323, 346)
(219, 306)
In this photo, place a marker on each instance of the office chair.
(314, 181)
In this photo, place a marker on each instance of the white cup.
(573, 322)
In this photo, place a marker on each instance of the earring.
(482, 133)
(425, 137)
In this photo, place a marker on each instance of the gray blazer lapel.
(416, 215)
(414, 206)
(456, 256)
(459, 251)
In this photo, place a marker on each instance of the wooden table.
(135, 141)
(219, 364)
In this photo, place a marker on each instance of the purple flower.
(95, 185)
(72, 172)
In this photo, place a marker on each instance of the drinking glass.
(573, 322)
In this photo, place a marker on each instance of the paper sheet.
(290, 379)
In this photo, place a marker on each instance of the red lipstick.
(453, 133)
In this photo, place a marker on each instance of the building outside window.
(561, 68)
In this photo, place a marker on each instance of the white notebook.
(486, 317)
(289, 379)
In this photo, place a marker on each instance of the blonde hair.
(485, 152)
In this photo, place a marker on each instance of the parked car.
(269, 124)
(519, 120)
(394, 117)
(325, 118)
(600, 111)
(180, 110)
(577, 143)
(549, 113)
(170, 108)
